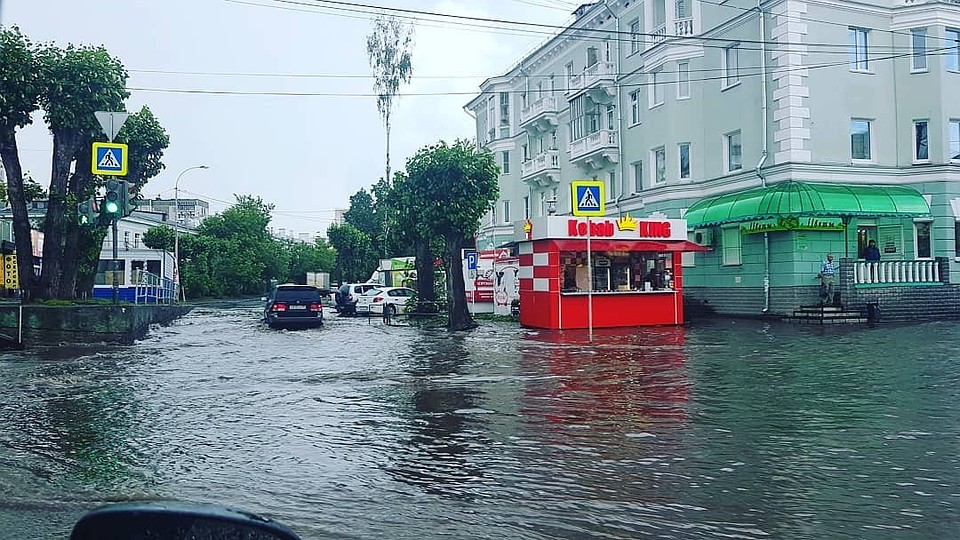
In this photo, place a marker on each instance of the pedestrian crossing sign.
(109, 159)
(587, 197)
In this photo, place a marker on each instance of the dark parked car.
(294, 306)
(347, 296)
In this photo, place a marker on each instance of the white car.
(390, 298)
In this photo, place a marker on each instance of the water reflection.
(624, 384)
(444, 427)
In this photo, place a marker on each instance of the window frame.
(505, 162)
(952, 53)
(637, 167)
(635, 107)
(731, 255)
(680, 157)
(683, 80)
(727, 151)
(918, 50)
(953, 141)
(656, 85)
(506, 211)
(916, 146)
(635, 36)
(928, 223)
(731, 79)
(859, 59)
(658, 156)
(612, 185)
(869, 146)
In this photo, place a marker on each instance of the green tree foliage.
(233, 254)
(20, 88)
(77, 82)
(355, 257)
(452, 186)
(389, 50)
(363, 215)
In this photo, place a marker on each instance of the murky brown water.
(728, 429)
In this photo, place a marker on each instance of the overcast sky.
(307, 154)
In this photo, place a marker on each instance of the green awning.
(799, 199)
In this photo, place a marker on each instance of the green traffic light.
(111, 207)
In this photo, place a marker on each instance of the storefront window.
(616, 271)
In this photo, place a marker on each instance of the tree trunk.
(386, 123)
(459, 315)
(18, 204)
(79, 180)
(65, 144)
(88, 246)
(426, 283)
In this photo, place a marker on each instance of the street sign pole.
(589, 286)
(116, 266)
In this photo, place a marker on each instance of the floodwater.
(721, 429)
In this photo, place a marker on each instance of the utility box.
(320, 280)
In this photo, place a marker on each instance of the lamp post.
(176, 230)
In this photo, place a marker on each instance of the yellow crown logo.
(627, 223)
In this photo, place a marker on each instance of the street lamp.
(176, 229)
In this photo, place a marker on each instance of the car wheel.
(392, 309)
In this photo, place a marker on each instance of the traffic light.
(113, 199)
(130, 200)
(87, 212)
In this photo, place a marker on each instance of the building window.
(923, 243)
(684, 9)
(638, 177)
(634, 107)
(543, 204)
(683, 80)
(553, 85)
(506, 162)
(568, 70)
(953, 50)
(660, 165)
(955, 140)
(858, 49)
(956, 239)
(731, 65)
(860, 139)
(730, 241)
(656, 83)
(504, 109)
(634, 36)
(919, 56)
(611, 185)
(577, 118)
(684, 160)
(526, 207)
(921, 147)
(506, 211)
(733, 151)
(612, 117)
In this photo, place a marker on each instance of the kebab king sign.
(622, 228)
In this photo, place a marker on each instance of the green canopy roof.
(798, 199)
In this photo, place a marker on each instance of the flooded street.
(722, 429)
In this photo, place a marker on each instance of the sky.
(306, 155)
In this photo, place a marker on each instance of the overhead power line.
(742, 72)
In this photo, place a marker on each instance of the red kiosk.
(635, 276)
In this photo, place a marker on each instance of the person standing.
(872, 252)
(828, 272)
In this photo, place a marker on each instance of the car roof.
(296, 287)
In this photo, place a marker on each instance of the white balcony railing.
(603, 139)
(683, 27)
(592, 75)
(549, 160)
(547, 104)
(896, 272)
(659, 33)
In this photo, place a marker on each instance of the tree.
(78, 81)
(146, 140)
(452, 187)
(363, 215)
(389, 52)
(20, 89)
(411, 229)
(354, 262)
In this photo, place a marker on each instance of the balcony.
(598, 80)
(542, 170)
(596, 150)
(541, 115)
